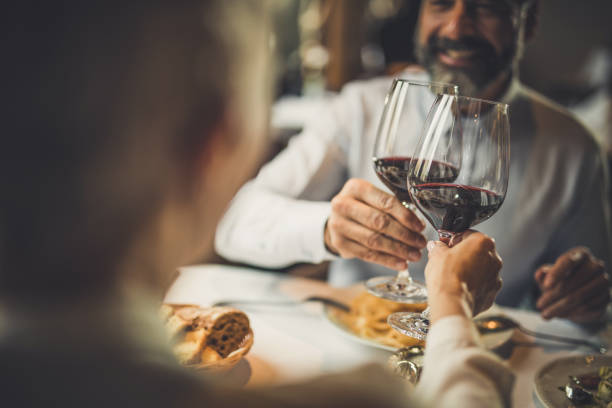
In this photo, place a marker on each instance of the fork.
(326, 301)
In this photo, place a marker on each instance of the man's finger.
(586, 273)
(352, 249)
(382, 222)
(567, 304)
(541, 274)
(564, 266)
(387, 203)
(376, 240)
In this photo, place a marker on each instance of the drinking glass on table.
(406, 107)
(471, 136)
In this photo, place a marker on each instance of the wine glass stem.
(404, 275)
(445, 237)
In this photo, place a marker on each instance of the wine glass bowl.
(406, 108)
(472, 136)
(470, 139)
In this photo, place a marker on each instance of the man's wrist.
(327, 240)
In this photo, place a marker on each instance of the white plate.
(554, 375)
(491, 341)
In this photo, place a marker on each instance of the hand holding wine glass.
(466, 275)
(372, 225)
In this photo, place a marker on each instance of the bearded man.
(320, 199)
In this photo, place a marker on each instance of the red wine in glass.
(393, 172)
(453, 208)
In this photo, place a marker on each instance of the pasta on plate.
(368, 319)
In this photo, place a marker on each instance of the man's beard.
(472, 80)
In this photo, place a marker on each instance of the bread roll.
(189, 349)
(201, 331)
(228, 327)
(209, 355)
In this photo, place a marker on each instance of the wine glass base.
(397, 290)
(409, 324)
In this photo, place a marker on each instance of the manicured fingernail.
(422, 242)
(415, 255)
(400, 265)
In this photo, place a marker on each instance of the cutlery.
(321, 299)
(492, 324)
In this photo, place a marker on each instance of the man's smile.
(457, 58)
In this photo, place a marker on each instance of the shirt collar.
(417, 73)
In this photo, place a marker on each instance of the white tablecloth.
(294, 343)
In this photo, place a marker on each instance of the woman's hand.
(462, 279)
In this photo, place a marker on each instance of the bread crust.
(202, 333)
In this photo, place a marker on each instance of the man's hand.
(372, 225)
(466, 273)
(576, 287)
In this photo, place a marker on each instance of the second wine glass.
(406, 107)
(471, 136)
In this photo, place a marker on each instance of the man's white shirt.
(555, 198)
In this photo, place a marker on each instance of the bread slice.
(188, 351)
(228, 327)
(202, 333)
(165, 312)
(209, 355)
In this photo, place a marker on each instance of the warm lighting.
(492, 325)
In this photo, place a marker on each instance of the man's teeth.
(456, 54)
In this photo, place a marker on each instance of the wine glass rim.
(427, 83)
(487, 101)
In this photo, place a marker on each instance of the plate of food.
(367, 323)
(581, 381)
(207, 338)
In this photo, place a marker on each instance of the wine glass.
(470, 137)
(406, 107)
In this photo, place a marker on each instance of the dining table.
(294, 340)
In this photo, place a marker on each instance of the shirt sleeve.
(278, 218)
(458, 371)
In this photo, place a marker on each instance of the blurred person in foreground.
(321, 200)
(129, 128)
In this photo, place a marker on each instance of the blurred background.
(322, 44)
